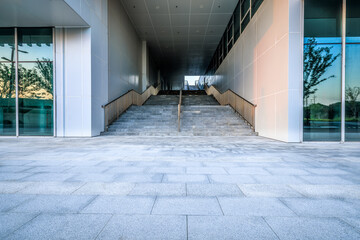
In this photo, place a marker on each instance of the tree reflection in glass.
(7, 82)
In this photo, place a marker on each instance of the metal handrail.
(179, 110)
(254, 105)
(244, 107)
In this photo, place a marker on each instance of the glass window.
(7, 82)
(230, 34)
(352, 82)
(35, 81)
(245, 6)
(245, 22)
(255, 4)
(237, 22)
(322, 70)
(35, 44)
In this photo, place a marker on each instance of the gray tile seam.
(88, 203)
(266, 169)
(208, 178)
(9, 234)
(187, 227)
(12, 208)
(102, 229)
(271, 228)
(237, 185)
(226, 170)
(281, 200)
(152, 208)
(303, 179)
(217, 199)
(78, 188)
(303, 195)
(357, 229)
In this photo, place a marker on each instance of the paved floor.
(178, 188)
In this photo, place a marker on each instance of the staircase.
(201, 116)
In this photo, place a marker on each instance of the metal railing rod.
(179, 110)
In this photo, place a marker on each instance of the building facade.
(297, 60)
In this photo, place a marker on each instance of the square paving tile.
(228, 227)
(12, 187)
(62, 226)
(51, 188)
(312, 228)
(186, 206)
(139, 178)
(9, 201)
(254, 207)
(54, 204)
(263, 190)
(329, 191)
(248, 171)
(143, 227)
(204, 190)
(159, 189)
(101, 188)
(323, 207)
(231, 179)
(185, 178)
(120, 205)
(9, 222)
(353, 222)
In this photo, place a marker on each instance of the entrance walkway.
(178, 188)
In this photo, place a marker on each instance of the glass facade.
(34, 80)
(352, 71)
(7, 83)
(324, 99)
(322, 70)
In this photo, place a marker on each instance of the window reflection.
(352, 95)
(322, 70)
(36, 98)
(7, 82)
(35, 44)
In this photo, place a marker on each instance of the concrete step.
(201, 116)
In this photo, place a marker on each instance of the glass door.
(35, 49)
(26, 82)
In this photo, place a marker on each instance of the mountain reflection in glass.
(322, 70)
(7, 83)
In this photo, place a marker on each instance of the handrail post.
(179, 110)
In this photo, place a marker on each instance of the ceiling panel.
(141, 20)
(179, 6)
(157, 6)
(161, 20)
(201, 6)
(215, 29)
(197, 30)
(180, 19)
(182, 34)
(135, 7)
(199, 19)
(224, 6)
